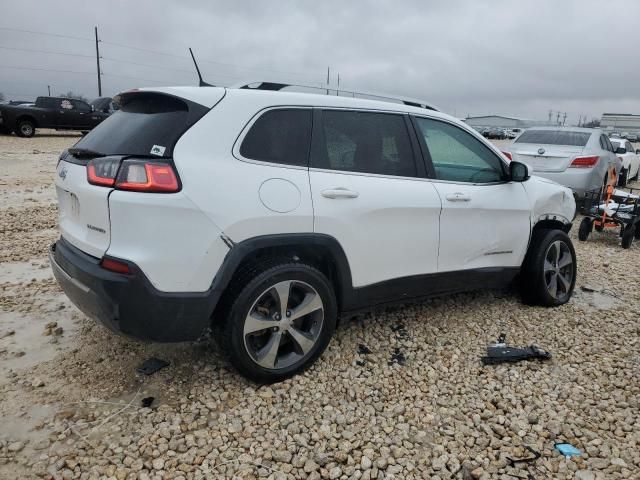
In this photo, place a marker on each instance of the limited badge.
(158, 150)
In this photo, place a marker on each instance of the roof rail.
(276, 86)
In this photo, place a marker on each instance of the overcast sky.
(468, 57)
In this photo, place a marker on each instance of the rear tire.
(628, 235)
(586, 227)
(263, 338)
(26, 129)
(549, 270)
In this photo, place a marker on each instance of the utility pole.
(327, 80)
(98, 63)
(49, 89)
(558, 118)
(550, 113)
(338, 88)
(564, 119)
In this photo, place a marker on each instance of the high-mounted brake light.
(145, 176)
(508, 155)
(584, 162)
(115, 266)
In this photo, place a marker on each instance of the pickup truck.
(58, 113)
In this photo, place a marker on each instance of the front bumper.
(129, 304)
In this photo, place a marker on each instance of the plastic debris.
(499, 352)
(151, 366)
(567, 450)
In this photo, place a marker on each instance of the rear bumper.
(129, 304)
(580, 180)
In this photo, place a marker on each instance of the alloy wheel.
(283, 324)
(558, 270)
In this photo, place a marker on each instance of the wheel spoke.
(311, 303)
(268, 355)
(282, 290)
(552, 285)
(548, 266)
(305, 343)
(256, 322)
(555, 248)
(564, 282)
(565, 260)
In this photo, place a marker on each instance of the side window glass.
(66, 104)
(280, 136)
(603, 143)
(80, 106)
(365, 142)
(610, 146)
(458, 156)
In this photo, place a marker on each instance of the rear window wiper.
(85, 153)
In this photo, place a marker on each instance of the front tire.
(549, 269)
(628, 234)
(586, 227)
(622, 178)
(280, 322)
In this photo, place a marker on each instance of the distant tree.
(594, 123)
(77, 96)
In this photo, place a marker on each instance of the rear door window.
(147, 123)
(280, 136)
(365, 142)
(81, 106)
(554, 137)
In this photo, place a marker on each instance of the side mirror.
(519, 172)
(637, 151)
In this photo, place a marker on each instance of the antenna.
(202, 82)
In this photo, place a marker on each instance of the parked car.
(268, 233)
(496, 133)
(513, 132)
(632, 137)
(50, 112)
(629, 158)
(579, 158)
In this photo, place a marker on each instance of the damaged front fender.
(550, 201)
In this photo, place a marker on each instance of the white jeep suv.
(266, 215)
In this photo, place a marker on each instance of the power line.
(45, 69)
(45, 33)
(45, 51)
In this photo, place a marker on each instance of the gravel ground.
(399, 393)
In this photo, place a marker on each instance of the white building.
(506, 122)
(620, 122)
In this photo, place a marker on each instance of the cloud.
(469, 57)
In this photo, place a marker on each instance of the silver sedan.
(582, 159)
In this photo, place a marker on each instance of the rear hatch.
(115, 155)
(549, 150)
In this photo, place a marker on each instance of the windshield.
(147, 123)
(554, 137)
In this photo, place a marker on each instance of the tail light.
(114, 266)
(508, 155)
(136, 175)
(102, 171)
(144, 176)
(584, 162)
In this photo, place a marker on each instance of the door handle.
(339, 192)
(458, 197)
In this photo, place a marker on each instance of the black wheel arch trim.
(242, 251)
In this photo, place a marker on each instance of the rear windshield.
(554, 137)
(147, 124)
